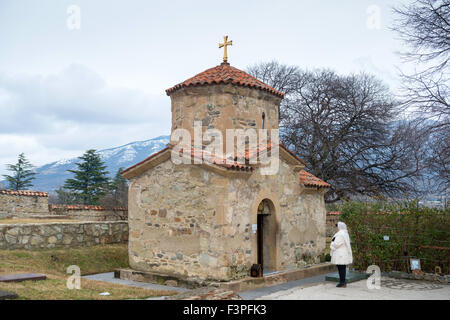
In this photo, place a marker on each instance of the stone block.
(10, 239)
(162, 213)
(52, 240)
(13, 231)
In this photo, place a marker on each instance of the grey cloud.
(50, 117)
(77, 95)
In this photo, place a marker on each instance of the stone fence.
(34, 204)
(62, 234)
(90, 213)
(23, 203)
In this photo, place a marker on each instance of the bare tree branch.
(424, 27)
(345, 128)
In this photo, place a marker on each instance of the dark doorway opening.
(260, 230)
(266, 233)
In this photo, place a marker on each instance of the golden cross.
(224, 45)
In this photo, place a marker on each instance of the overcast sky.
(64, 90)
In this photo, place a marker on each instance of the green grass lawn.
(54, 262)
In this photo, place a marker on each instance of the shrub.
(413, 232)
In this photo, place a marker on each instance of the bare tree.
(424, 27)
(282, 77)
(345, 128)
(439, 160)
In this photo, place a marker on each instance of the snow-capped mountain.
(51, 176)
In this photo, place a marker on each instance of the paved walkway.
(391, 289)
(316, 288)
(109, 277)
(257, 293)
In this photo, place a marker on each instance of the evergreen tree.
(90, 181)
(23, 174)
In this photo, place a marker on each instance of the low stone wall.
(23, 203)
(90, 213)
(66, 234)
(332, 220)
(29, 204)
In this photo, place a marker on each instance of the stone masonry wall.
(301, 218)
(14, 204)
(223, 107)
(56, 235)
(90, 213)
(190, 221)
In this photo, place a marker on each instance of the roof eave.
(147, 163)
(181, 86)
(291, 157)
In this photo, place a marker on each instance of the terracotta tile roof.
(198, 154)
(267, 147)
(310, 180)
(334, 213)
(224, 73)
(85, 207)
(253, 153)
(24, 193)
(221, 162)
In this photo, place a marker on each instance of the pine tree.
(22, 176)
(90, 181)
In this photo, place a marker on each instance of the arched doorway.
(266, 236)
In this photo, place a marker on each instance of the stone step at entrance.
(243, 284)
(22, 277)
(351, 276)
(267, 272)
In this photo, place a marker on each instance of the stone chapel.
(214, 221)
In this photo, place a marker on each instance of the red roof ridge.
(310, 180)
(224, 73)
(27, 193)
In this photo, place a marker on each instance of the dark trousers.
(341, 270)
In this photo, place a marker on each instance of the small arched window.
(263, 117)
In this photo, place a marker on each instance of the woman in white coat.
(341, 252)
